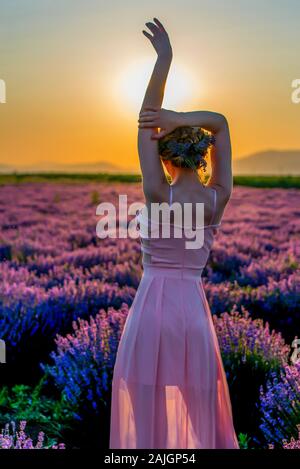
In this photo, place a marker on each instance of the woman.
(169, 388)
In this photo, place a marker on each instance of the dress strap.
(170, 194)
(214, 205)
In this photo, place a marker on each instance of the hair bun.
(186, 147)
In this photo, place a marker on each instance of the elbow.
(225, 123)
(218, 123)
(222, 122)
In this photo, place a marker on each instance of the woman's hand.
(160, 39)
(166, 120)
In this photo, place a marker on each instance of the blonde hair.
(186, 147)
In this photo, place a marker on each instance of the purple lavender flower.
(19, 439)
(84, 361)
(243, 339)
(280, 405)
(293, 443)
(179, 148)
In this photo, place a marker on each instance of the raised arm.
(221, 176)
(154, 180)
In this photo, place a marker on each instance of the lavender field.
(65, 294)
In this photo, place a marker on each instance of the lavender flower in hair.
(192, 152)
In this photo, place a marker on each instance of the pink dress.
(169, 388)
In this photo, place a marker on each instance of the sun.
(130, 85)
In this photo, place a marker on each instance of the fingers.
(145, 115)
(159, 24)
(152, 114)
(147, 35)
(142, 120)
(153, 27)
(149, 117)
(159, 135)
(148, 113)
(147, 125)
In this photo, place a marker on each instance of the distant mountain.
(4, 168)
(271, 162)
(98, 167)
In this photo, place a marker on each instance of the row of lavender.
(55, 270)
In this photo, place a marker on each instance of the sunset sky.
(76, 72)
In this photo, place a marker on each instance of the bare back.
(194, 194)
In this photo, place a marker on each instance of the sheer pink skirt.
(169, 387)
